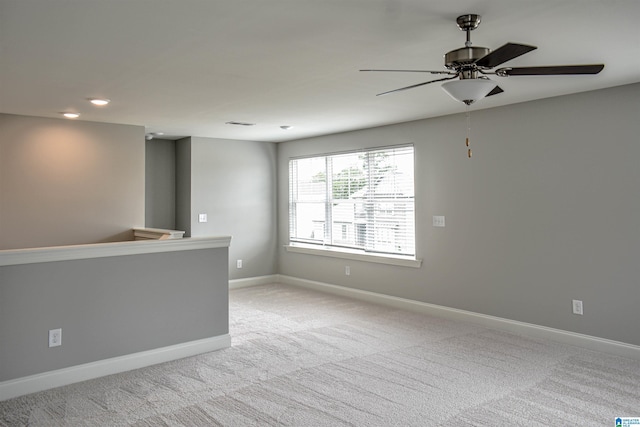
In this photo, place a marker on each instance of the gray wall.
(160, 184)
(234, 183)
(66, 182)
(546, 211)
(71, 182)
(109, 307)
(183, 185)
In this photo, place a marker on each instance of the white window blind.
(360, 200)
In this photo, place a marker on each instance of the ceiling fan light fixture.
(470, 90)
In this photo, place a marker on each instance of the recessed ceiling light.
(99, 101)
(286, 127)
(149, 136)
(71, 115)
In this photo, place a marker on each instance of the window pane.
(311, 180)
(309, 221)
(347, 174)
(344, 225)
(307, 199)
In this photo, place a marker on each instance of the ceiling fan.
(470, 65)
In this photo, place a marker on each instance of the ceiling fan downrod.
(468, 23)
(466, 56)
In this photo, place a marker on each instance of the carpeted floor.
(301, 358)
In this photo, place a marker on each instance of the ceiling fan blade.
(415, 71)
(495, 91)
(503, 54)
(551, 70)
(418, 85)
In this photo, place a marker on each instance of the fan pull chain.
(468, 132)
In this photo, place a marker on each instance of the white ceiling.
(185, 67)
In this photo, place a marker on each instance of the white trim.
(87, 371)
(353, 255)
(253, 281)
(529, 329)
(156, 234)
(100, 250)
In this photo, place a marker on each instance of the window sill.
(353, 255)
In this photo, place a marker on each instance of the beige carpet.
(301, 358)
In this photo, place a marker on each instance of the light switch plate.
(577, 307)
(438, 221)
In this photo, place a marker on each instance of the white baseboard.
(254, 281)
(580, 340)
(87, 371)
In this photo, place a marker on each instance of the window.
(359, 200)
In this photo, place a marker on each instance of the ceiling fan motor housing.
(465, 56)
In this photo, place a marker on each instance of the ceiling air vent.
(240, 123)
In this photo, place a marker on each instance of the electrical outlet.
(55, 337)
(239, 263)
(202, 217)
(347, 270)
(577, 307)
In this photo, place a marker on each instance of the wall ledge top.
(101, 250)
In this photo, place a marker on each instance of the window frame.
(298, 244)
